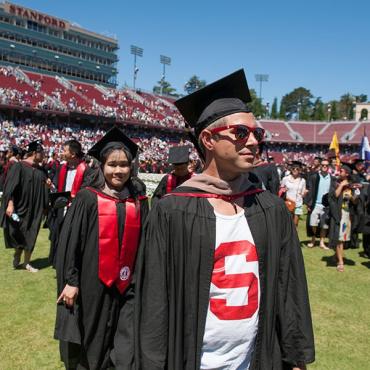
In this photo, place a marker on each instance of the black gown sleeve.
(293, 310)
(141, 337)
(13, 179)
(159, 191)
(68, 263)
(72, 240)
(124, 343)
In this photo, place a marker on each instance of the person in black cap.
(96, 254)
(179, 158)
(267, 172)
(24, 203)
(71, 176)
(342, 203)
(220, 280)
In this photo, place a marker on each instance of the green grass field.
(340, 304)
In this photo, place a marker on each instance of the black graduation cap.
(113, 136)
(358, 160)
(297, 164)
(16, 150)
(59, 200)
(219, 99)
(179, 154)
(347, 167)
(35, 146)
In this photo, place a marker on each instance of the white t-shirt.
(71, 174)
(232, 318)
(295, 188)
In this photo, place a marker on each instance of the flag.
(334, 145)
(365, 150)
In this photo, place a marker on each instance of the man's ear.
(207, 139)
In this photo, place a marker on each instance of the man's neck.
(73, 164)
(214, 171)
(30, 161)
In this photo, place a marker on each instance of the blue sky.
(320, 45)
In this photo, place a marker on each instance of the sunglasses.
(242, 132)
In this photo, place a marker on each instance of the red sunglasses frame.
(250, 130)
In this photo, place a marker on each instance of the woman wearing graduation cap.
(96, 256)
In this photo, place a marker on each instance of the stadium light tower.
(137, 52)
(261, 78)
(166, 61)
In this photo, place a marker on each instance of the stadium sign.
(35, 16)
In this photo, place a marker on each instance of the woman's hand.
(10, 209)
(68, 295)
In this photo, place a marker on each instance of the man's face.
(232, 155)
(324, 167)
(67, 155)
(316, 163)
(181, 169)
(39, 156)
(360, 167)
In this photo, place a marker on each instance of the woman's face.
(295, 172)
(116, 169)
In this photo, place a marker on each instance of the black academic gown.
(172, 284)
(26, 186)
(161, 189)
(86, 332)
(56, 215)
(335, 205)
(268, 174)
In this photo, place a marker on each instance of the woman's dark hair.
(74, 147)
(104, 154)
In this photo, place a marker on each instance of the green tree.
(282, 111)
(345, 106)
(165, 87)
(334, 110)
(298, 103)
(256, 105)
(194, 84)
(318, 111)
(274, 112)
(362, 98)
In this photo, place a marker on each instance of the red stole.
(172, 181)
(115, 266)
(77, 181)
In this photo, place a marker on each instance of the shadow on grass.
(41, 263)
(366, 264)
(332, 262)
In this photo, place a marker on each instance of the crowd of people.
(212, 275)
(123, 105)
(111, 253)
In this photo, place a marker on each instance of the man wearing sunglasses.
(220, 281)
(318, 186)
